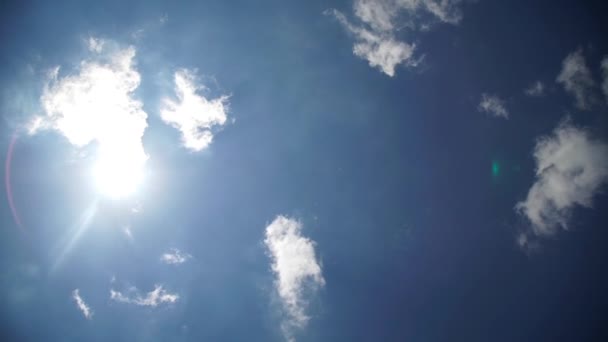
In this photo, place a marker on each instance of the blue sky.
(360, 170)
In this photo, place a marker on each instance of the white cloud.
(192, 114)
(96, 105)
(296, 269)
(376, 38)
(153, 298)
(493, 105)
(535, 89)
(128, 233)
(95, 44)
(174, 256)
(576, 79)
(164, 19)
(380, 49)
(388, 15)
(604, 67)
(571, 167)
(82, 306)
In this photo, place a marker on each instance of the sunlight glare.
(118, 174)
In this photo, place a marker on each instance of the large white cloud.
(95, 104)
(82, 306)
(192, 114)
(153, 298)
(296, 268)
(376, 38)
(576, 79)
(571, 168)
(493, 105)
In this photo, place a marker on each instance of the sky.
(356, 170)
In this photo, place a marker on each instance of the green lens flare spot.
(495, 169)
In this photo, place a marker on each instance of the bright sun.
(118, 175)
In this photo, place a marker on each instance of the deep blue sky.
(391, 176)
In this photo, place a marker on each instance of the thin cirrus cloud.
(192, 114)
(576, 79)
(81, 305)
(493, 105)
(96, 105)
(296, 268)
(571, 168)
(175, 257)
(379, 22)
(152, 299)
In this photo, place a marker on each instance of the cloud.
(296, 269)
(164, 19)
(153, 298)
(128, 233)
(604, 67)
(535, 89)
(192, 114)
(571, 168)
(174, 256)
(493, 105)
(95, 44)
(576, 79)
(95, 104)
(380, 20)
(380, 50)
(84, 308)
(389, 15)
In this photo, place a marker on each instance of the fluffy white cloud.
(375, 38)
(175, 256)
(571, 167)
(576, 79)
(535, 89)
(296, 268)
(192, 114)
(604, 67)
(82, 306)
(153, 298)
(96, 105)
(493, 105)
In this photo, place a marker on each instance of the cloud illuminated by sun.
(96, 105)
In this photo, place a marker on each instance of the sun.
(118, 174)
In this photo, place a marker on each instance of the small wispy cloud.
(153, 298)
(164, 19)
(82, 306)
(95, 44)
(296, 268)
(576, 79)
(571, 168)
(379, 23)
(493, 105)
(192, 114)
(380, 50)
(128, 233)
(604, 67)
(174, 257)
(535, 89)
